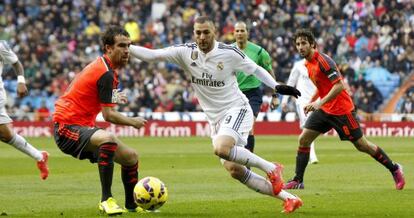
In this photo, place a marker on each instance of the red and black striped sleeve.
(106, 88)
(329, 68)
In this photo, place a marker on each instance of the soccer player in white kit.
(299, 78)
(7, 56)
(212, 66)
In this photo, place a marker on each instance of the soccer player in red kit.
(335, 109)
(92, 91)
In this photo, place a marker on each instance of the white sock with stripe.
(244, 157)
(260, 184)
(22, 145)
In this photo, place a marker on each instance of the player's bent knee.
(110, 136)
(222, 146)
(221, 151)
(128, 157)
(6, 136)
(102, 137)
(132, 156)
(6, 139)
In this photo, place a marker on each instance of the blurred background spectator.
(371, 40)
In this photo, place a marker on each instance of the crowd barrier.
(202, 128)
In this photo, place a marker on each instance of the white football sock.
(312, 154)
(244, 157)
(21, 144)
(260, 184)
(257, 183)
(283, 195)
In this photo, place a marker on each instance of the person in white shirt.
(212, 66)
(299, 78)
(7, 56)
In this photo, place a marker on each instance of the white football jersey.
(7, 56)
(299, 78)
(213, 75)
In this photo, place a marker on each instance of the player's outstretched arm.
(113, 116)
(146, 54)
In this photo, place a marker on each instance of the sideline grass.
(345, 183)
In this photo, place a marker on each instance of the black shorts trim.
(346, 125)
(255, 97)
(72, 139)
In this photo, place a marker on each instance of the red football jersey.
(91, 89)
(324, 74)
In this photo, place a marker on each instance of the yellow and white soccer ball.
(150, 193)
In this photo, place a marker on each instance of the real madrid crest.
(220, 66)
(194, 55)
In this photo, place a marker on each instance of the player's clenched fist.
(311, 107)
(139, 122)
(21, 90)
(275, 101)
(287, 90)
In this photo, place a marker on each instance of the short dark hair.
(203, 19)
(242, 22)
(305, 33)
(108, 37)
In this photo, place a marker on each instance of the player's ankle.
(297, 179)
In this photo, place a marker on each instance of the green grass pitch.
(345, 183)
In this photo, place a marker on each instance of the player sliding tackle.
(211, 65)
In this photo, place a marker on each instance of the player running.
(335, 109)
(211, 65)
(7, 56)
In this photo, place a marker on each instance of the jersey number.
(227, 120)
(346, 130)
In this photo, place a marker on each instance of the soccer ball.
(150, 193)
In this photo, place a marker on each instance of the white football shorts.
(4, 117)
(301, 114)
(237, 123)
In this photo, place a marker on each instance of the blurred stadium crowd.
(372, 41)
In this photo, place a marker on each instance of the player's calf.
(236, 171)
